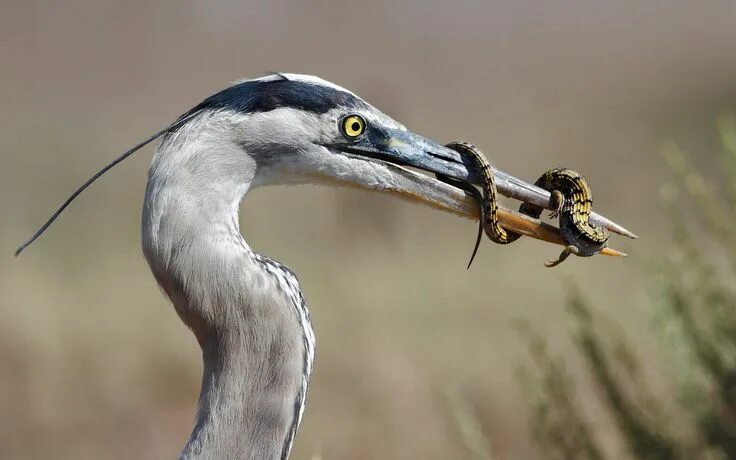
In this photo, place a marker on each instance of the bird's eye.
(353, 126)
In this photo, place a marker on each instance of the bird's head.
(288, 128)
(302, 129)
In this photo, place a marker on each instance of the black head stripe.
(264, 96)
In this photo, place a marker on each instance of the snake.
(571, 198)
(572, 202)
(488, 200)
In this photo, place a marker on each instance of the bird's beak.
(396, 149)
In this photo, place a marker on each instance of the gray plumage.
(246, 310)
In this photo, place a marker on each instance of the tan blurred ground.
(95, 364)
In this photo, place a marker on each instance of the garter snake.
(573, 202)
(571, 196)
(488, 201)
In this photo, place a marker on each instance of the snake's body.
(489, 203)
(573, 204)
(572, 199)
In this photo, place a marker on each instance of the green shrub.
(694, 295)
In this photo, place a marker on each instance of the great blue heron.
(246, 310)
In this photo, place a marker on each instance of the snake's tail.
(482, 219)
(477, 243)
(472, 191)
(563, 256)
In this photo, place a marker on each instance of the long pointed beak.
(409, 149)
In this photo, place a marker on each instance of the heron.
(246, 310)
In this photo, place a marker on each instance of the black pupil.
(355, 126)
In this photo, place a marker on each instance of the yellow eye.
(353, 125)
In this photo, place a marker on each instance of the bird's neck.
(238, 305)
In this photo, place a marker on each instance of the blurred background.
(417, 357)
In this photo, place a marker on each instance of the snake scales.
(572, 200)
